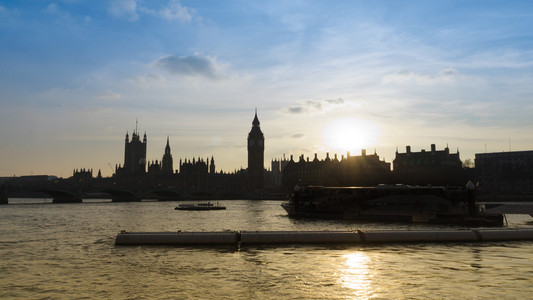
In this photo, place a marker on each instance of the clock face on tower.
(260, 142)
(251, 142)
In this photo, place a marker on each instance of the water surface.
(67, 251)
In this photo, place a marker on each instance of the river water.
(67, 251)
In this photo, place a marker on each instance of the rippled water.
(67, 251)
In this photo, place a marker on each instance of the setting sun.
(350, 134)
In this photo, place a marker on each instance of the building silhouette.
(435, 167)
(256, 152)
(363, 170)
(196, 174)
(134, 154)
(275, 176)
(167, 167)
(505, 173)
(499, 174)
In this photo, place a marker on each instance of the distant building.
(82, 174)
(135, 154)
(194, 174)
(436, 167)
(256, 152)
(154, 168)
(82, 177)
(363, 170)
(505, 173)
(275, 173)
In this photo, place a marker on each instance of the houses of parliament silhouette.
(497, 173)
(195, 174)
(432, 167)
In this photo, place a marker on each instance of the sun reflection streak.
(356, 276)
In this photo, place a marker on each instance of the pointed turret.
(255, 122)
(166, 163)
(212, 166)
(167, 147)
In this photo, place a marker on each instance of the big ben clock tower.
(256, 153)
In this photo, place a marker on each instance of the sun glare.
(350, 134)
(355, 274)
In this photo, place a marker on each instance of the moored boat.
(391, 203)
(200, 206)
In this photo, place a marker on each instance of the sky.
(324, 76)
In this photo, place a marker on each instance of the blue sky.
(325, 76)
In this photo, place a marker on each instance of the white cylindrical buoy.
(176, 238)
(298, 237)
(402, 236)
(321, 237)
(510, 234)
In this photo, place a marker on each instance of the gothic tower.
(135, 154)
(166, 162)
(212, 166)
(256, 152)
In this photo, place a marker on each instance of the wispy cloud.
(6, 12)
(124, 9)
(54, 9)
(110, 95)
(175, 11)
(445, 75)
(194, 65)
(148, 81)
(132, 10)
(312, 106)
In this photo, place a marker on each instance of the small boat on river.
(200, 206)
(391, 203)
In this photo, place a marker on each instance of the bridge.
(65, 191)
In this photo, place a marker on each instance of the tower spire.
(167, 147)
(255, 122)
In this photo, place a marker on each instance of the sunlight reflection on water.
(355, 274)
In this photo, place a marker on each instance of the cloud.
(194, 65)
(149, 80)
(132, 10)
(109, 95)
(124, 8)
(53, 9)
(403, 76)
(4, 11)
(312, 106)
(174, 11)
